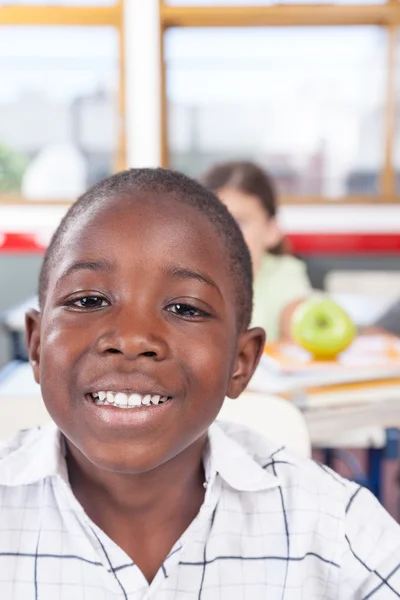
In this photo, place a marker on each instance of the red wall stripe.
(348, 243)
(300, 243)
(20, 243)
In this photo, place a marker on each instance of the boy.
(145, 301)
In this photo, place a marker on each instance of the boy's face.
(141, 302)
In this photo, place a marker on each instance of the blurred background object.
(58, 171)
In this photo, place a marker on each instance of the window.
(58, 108)
(307, 91)
(61, 109)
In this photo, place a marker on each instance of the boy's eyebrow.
(105, 265)
(185, 273)
(88, 265)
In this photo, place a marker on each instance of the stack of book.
(367, 372)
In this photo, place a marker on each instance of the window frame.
(384, 15)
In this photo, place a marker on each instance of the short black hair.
(182, 189)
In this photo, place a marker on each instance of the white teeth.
(121, 399)
(135, 400)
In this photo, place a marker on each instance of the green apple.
(322, 327)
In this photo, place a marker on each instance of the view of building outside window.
(306, 102)
(58, 109)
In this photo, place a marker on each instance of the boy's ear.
(32, 336)
(249, 350)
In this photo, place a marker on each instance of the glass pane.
(307, 103)
(58, 109)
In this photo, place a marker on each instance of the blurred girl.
(281, 280)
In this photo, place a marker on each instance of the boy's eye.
(186, 310)
(88, 302)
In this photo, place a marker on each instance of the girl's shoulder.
(283, 263)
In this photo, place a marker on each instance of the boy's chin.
(137, 461)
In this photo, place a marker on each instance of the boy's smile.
(138, 341)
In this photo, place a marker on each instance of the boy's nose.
(133, 338)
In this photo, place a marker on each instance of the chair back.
(277, 419)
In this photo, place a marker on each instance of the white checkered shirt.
(272, 527)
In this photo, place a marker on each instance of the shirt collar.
(235, 464)
(42, 455)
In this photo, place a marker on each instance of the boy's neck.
(144, 514)
(140, 492)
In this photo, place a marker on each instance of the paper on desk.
(267, 380)
(317, 391)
